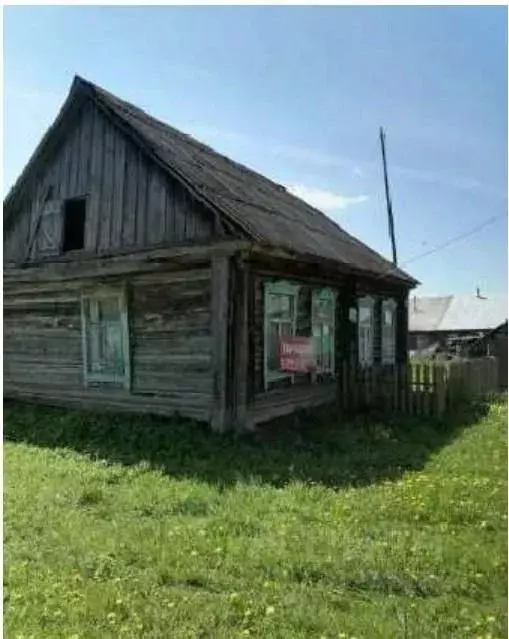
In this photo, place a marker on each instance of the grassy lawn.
(139, 527)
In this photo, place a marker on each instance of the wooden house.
(143, 271)
(452, 322)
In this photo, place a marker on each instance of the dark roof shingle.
(265, 211)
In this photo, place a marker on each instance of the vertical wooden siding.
(131, 203)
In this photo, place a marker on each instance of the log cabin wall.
(348, 290)
(170, 342)
(302, 328)
(130, 202)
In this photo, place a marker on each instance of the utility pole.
(388, 199)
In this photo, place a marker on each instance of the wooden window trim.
(331, 295)
(282, 288)
(94, 295)
(366, 302)
(389, 305)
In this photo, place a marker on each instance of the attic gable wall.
(131, 203)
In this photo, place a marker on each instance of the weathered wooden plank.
(111, 400)
(169, 211)
(179, 214)
(240, 348)
(74, 141)
(65, 169)
(119, 177)
(220, 299)
(28, 301)
(93, 226)
(190, 230)
(131, 197)
(425, 390)
(130, 263)
(155, 208)
(170, 277)
(107, 194)
(83, 186)
(142, 178)
(205, 222)
(275, 403)
(441, 398)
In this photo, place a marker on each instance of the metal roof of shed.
(456, 313)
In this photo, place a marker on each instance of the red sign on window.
(296, 355)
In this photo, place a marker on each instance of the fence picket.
(440, 394)
(420, 389)
(417, 388)
(425, 389)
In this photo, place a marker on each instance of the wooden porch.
(284, 401)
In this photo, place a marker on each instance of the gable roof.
(456, 313)
(262, 210)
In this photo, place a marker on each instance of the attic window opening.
(74, 224)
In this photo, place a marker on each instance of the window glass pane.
(273, 347)
(364, 315)
(113, 352)
(276, 330)
(286, 328)
(94, 355)
(365, 344)
(323, 310)
(388, 331)
(280, 307)
(109, 309)
(105, 338)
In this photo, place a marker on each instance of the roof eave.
(336, 265)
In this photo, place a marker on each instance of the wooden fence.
(418, 388)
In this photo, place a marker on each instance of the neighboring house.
(468, 325)
(143, 271)
(492, 343)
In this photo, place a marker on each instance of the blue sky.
(298, 93)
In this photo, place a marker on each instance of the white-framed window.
(105, 332)
(365, 330)
(389, 331)
(323, 304)
(280, 320)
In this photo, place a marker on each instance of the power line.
(446, 244)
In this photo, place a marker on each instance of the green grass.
(125, 527)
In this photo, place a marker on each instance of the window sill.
(104, 381)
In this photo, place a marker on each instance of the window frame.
(391, 305)
(96, 295)
(281, 288)
(366, 301)
(331, 295)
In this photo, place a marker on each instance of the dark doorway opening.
(74, 224)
